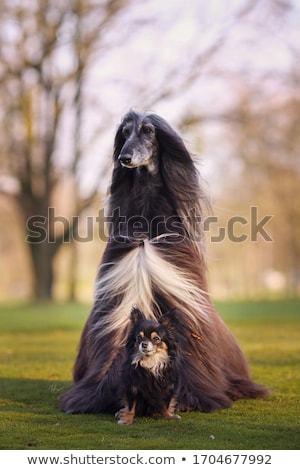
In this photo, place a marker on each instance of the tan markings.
(163, 346)
(125, 415)
(153, 334)
(168, 413)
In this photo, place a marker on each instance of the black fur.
(146, 391)
(155, 259)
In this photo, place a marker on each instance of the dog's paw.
(124, 416)
(123, 421)
(171, 416)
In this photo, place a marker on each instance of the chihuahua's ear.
(136, 315)
(174, 321)
(170, 319)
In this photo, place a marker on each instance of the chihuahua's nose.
(125, 159)
(144, 344)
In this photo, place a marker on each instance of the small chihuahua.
(150, 372)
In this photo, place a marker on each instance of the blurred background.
(226, 75)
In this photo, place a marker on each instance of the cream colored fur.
(135, 277)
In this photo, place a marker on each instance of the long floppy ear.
(175, 156)
(118, 143)
(169, 141)
(120, 184)
(118, 180)
(181, 177)
(119, 137)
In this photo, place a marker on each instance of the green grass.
(37, 350)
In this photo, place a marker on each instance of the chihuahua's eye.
(156, 339)
(139, 338)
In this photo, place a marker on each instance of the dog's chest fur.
(155, 364)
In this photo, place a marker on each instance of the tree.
(268, 143)
(47, 47)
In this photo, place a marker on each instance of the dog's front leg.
(168, 411)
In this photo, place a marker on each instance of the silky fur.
(155, 260)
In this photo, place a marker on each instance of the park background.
(226, 75)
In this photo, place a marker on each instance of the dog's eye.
(156, 339)
(147, 129)
(139, 338)
(126, 132)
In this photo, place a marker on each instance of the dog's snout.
(125, 159)
(144, 344)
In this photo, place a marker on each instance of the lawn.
(37, 350)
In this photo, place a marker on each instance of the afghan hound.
(155, 261)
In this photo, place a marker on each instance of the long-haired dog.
(150, 373)
(154, 260)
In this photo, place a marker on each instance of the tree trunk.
(73, 265)
(42, 262)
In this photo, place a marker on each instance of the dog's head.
(151, 343)
(135, 143)
(150, 338)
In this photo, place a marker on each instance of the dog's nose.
(144, 345)
(125, 159)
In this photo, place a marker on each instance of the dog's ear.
(136, 316)
(173, 322)
(170, 319)
(119, 142)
